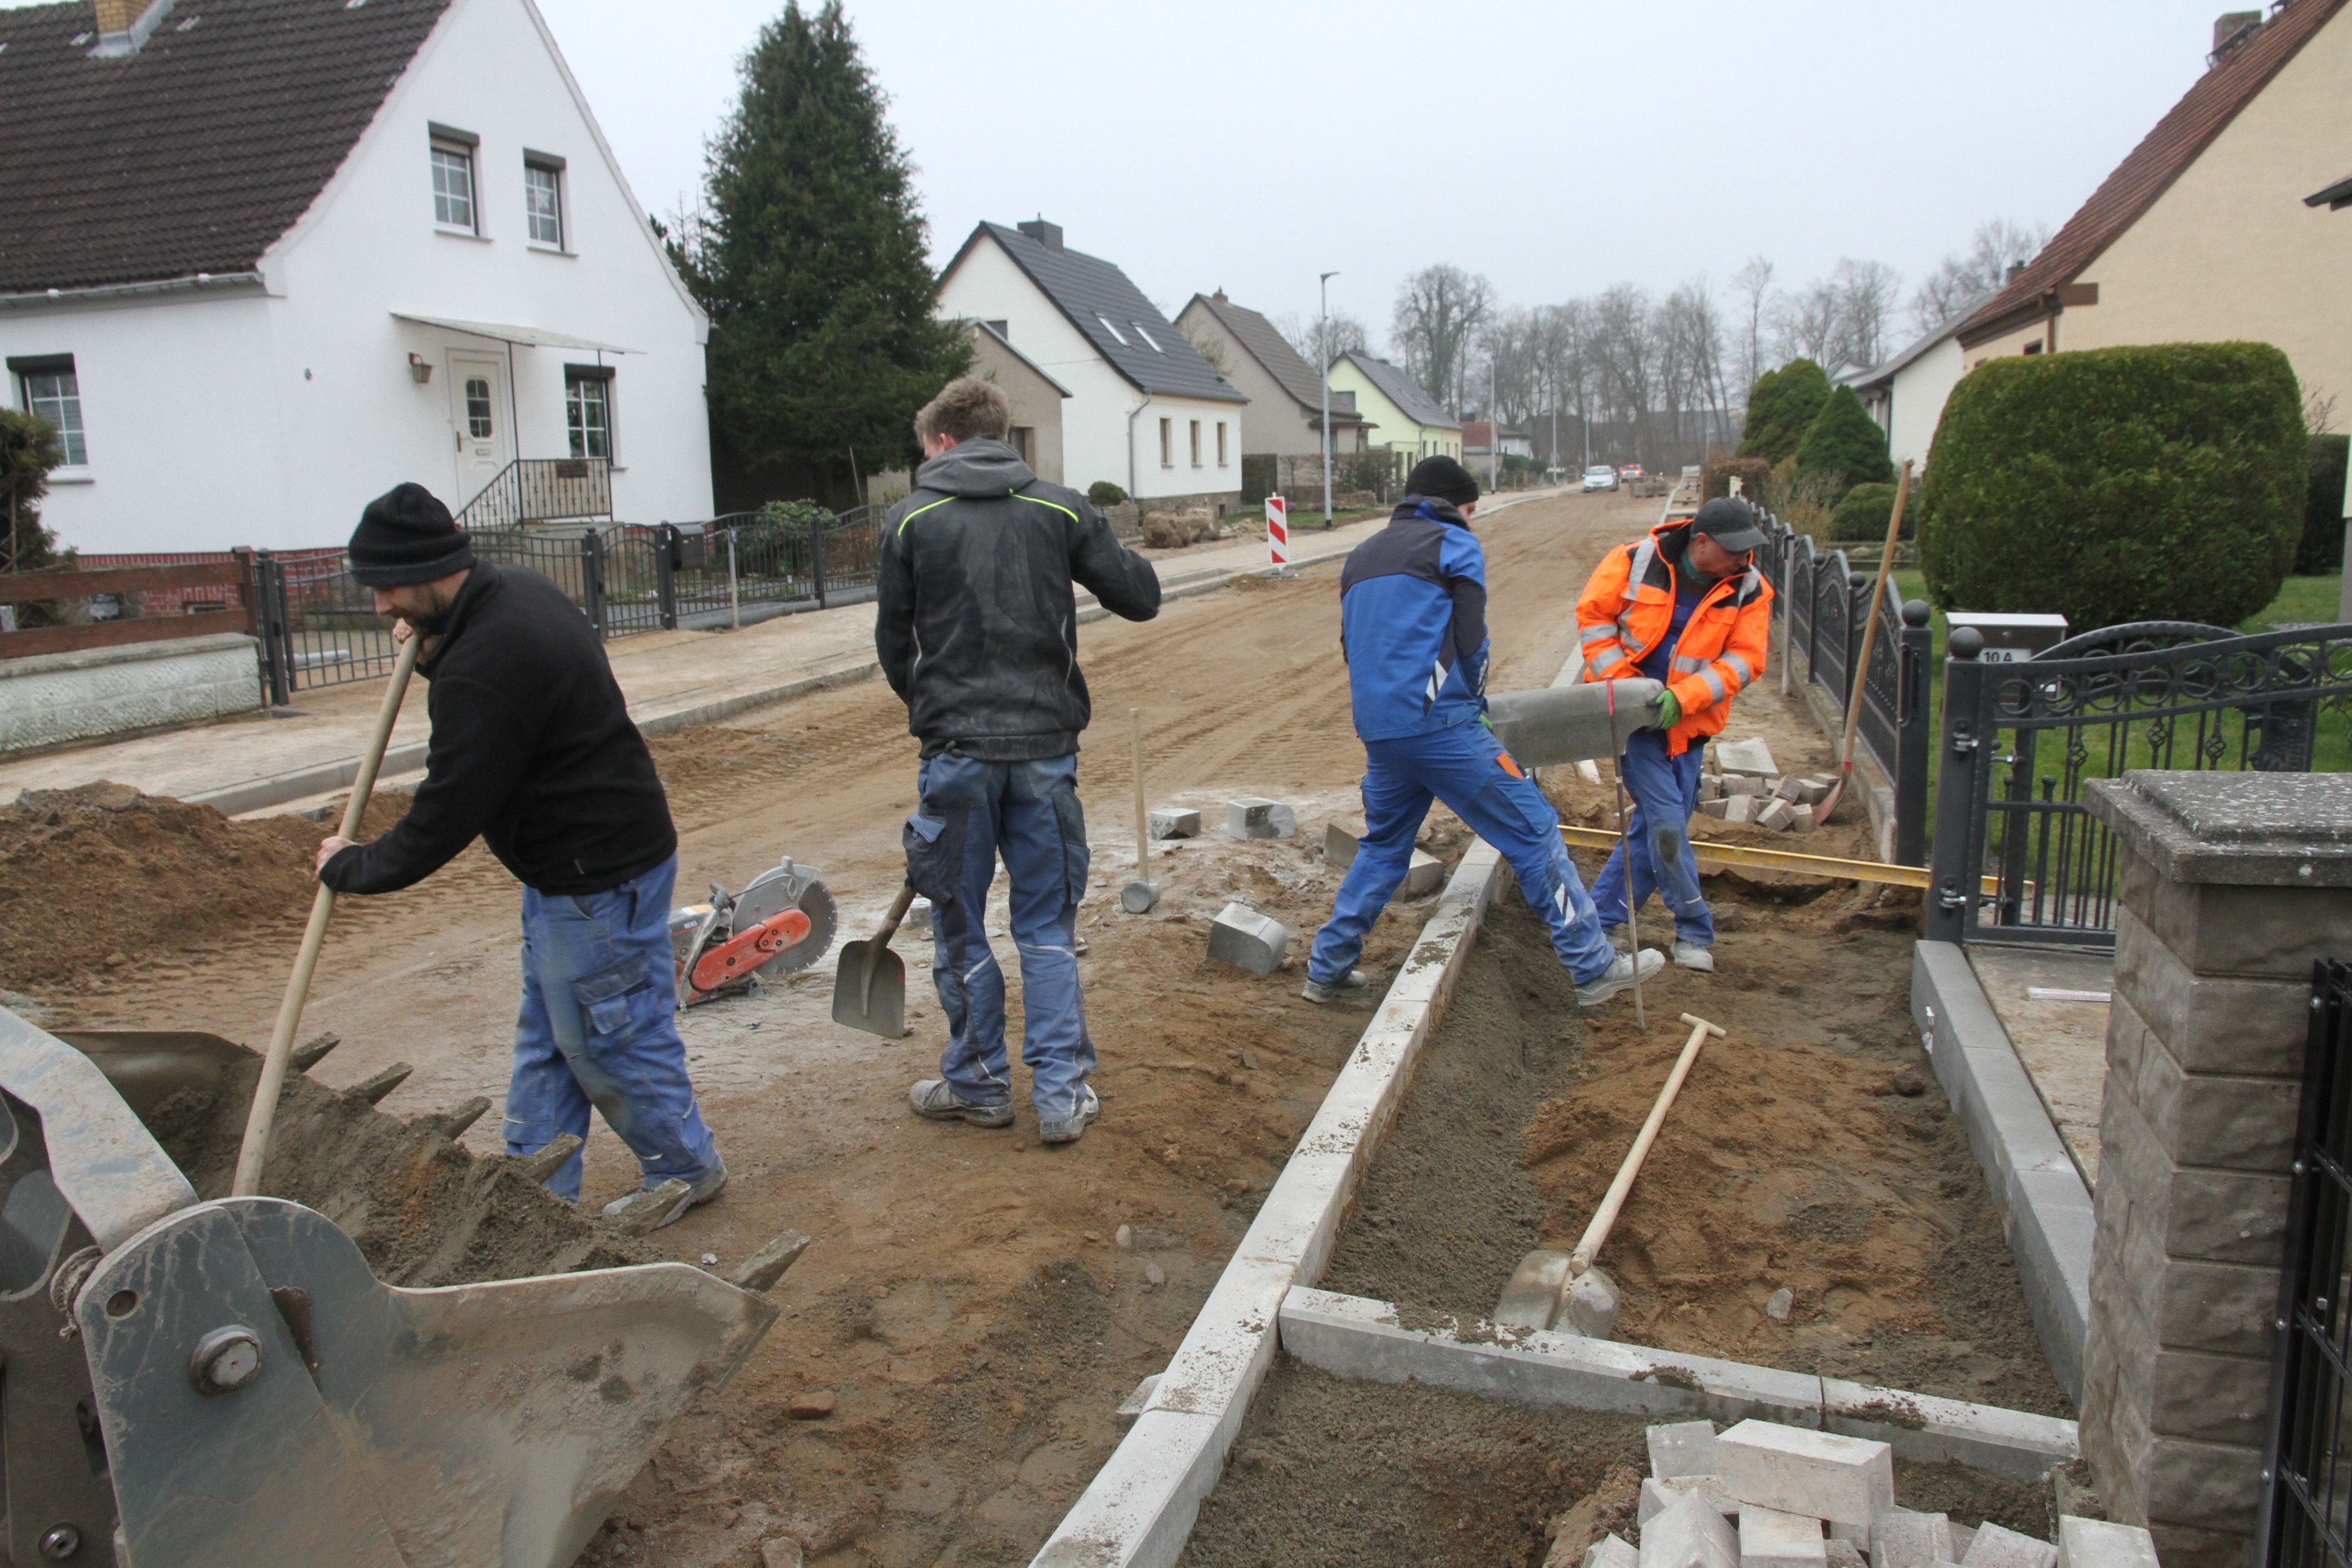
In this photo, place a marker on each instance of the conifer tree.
(1779, 408)
(1844, 443)
(811, 260)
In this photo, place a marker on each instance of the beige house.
(1284, 414)
(2207, 231)
(1036, 398)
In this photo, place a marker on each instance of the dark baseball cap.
(1730, 524)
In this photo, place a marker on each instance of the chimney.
(1045, 234)
(1220, 296)
(124, 24)
(2016, 269)
(2229, 24)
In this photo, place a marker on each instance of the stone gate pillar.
(2230, 885)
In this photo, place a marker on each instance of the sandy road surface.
(966, 1300)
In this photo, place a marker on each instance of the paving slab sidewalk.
(671, 679)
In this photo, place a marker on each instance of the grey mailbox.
(2009, 638)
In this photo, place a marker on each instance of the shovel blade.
(869, 989)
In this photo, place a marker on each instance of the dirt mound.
(95, 877)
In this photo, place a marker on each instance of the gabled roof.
(1006, 343)
(1882, 373)
(196, 152)
(2149, 170)
(1126, 329)
(1264, 342)
(1403, 391)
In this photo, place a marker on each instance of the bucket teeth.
(382, 1084)
(764, 1268)
(453, 1122)
(546, 1162)
(311, 1052)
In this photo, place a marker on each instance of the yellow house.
(1403, 418)
(2216, 227)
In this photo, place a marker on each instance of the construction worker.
(533, 750)
(1684, 606)
(1412, 624)
(976, 624)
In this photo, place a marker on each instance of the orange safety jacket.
(1630, 603)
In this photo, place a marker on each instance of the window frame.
(1196, 443)
(1167, 442)
(23, 369)
(447, 142)
(1112, 328)
(554, 167)
(576, 377)
(1221, 461)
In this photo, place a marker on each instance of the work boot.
(1619, 976)
(1351, 984)
(701, 1192)
(937, 1098)
(1070, 1129)
(1620, 937)
(1690, 956)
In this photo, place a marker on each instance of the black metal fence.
(2020, 738)
(2306, 1509)
(540, 490)
(319, 628)
(1822, 602)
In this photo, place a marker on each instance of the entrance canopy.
(524, 336)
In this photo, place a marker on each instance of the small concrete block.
(1338, 846)
(1531, 1299)
(1174, 823)
(1739, 808)
(1590, 1308)
(1740, 784)
(1902, 1538)
(1843, 1554)
(1714, 808)
(1130, 1407)
(1710, 787)
(1611, 1551)
(1776, 814)
(1659, 1494)
(1255, 817)
(1962, 1539)
(1689, 1532)
(1422, 876)
(1770, 1539)
(1682, 1449)
(2092, 1544)
(1850, 1480)
(1801, 820)
(1242, 936)
(1995, 1546)
(781, 1552)
(1790, 789)
(1750, 757)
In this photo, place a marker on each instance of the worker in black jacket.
(977, 628)
(532, 749)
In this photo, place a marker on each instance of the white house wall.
(1921, 389)
(284, 415)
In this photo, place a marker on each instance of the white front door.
(479, 413)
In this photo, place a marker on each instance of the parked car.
(1601, 476)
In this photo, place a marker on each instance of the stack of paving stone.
(1784, 802)
(1762, 1495)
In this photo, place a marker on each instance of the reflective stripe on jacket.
(1629, 605)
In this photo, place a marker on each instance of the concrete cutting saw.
(780, 923)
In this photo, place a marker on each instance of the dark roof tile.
(1266, 345)
(1403, 391)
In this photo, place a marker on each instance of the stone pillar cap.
(2265, 829)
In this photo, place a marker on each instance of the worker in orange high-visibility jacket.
(1687, 607)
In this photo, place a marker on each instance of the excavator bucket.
(229, 1381)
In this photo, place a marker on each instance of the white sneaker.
(1354, 983)
(1688, 957)
(1619, 976)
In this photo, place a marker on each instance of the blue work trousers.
(599, 1027)
(1665, 793)
(971, 813)
(1466, 766)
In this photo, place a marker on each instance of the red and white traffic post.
(1277, 532)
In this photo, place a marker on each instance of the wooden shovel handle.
(1605, 1219)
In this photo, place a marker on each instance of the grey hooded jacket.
(977, 623)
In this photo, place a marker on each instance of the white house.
(263, 259)
(1906, 395)
(1145, 411)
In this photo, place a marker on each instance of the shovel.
(869, 986)
(1862, 665)
(1138, 896)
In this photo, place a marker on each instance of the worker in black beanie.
(532, 750)
(1444, 479)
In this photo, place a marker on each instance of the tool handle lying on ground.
(1605, 1218)
(1869, 637)
(256, 1147)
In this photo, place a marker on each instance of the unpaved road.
(965, 1301)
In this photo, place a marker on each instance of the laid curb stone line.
(2044, 1206)
(1351, 1336)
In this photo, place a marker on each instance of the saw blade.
(790, 886)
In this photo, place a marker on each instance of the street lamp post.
(1323, 374)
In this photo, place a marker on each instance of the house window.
(1146, 337)
(1024, 441)
(1221, 445)
(1001, 328)
(453, 178)
(1168, 443)
(1109, 327)
(51, 391)
(588, 409)
(1196, 443)
(543, 194)
(477, 407)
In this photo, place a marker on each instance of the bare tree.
(1438, 310)
(1867, 291)
(1965, 280)
(1348, 335)
(1805, 323)
(1752, 284)
(1508, 345)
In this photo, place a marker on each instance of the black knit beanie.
(408, 536)
(1442, 478)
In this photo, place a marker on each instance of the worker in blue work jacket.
(1413, 619)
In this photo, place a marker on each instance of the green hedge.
(1845, 443)
(1781, 406)
(2321, 549)
(1715, 478)
(1103, 493)
(2164, 482)
(1861, 515)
